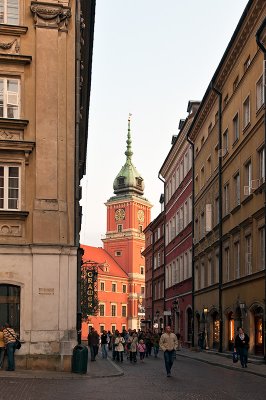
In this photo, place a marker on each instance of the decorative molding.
(10, 230)
(8, 45)
(13, 215)
(15, 59)
(47, 15)
(6, 134)
(13, 30)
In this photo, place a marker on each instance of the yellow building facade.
(43, 122)
(229, 180)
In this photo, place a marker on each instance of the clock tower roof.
(129, 180)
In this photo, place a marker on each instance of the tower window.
(118, 253)
(139, 181)
(140, 228)
(119, 228)
(142, 270)
(121, 181)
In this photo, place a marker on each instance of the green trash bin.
(80, 359)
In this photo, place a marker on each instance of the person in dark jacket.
(93, 343)
(241, 346)
(104, 344)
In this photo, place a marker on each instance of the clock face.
(120, 214)
(141, 216)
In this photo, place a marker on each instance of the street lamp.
(261, 42)
(205, 312)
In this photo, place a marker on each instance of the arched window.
(10, 306)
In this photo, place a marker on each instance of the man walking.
(93, 343)
(10, 342)
(168, 344)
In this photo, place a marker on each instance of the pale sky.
(150, 58)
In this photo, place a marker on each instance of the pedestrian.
(201, 338)
(178, 336)
(2, 347)
(116, 333)
(155, 342)
(10, 343)
(133, 347)
(141, 349)
(109, 334)
(241, 346)
(104, 344)
(93, 343)
(119, 347)
(168, 344)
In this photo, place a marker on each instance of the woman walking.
(119, 347)
(141, 349)
(241, 346)
(133, 348)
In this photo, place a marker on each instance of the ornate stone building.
(44, 100)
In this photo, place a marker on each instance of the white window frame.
(113, 305)
(115, 285)
(124, 286)
(4, 19)
(259, 93)
(246, 112)
(102, 283)
(237, 259)
(8, 94)
(236, 127)
(123, 306)
(6, 188)
(237, 188)
(101, 305)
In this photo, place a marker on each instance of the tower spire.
(129, 151)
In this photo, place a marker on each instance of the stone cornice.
(50, 15)
(15, 59)
(13, 215)
(18, 146)
(10, 123)
(15, 30)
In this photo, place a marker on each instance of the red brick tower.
(128, 214)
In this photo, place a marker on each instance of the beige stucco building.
(44, 103)
(229, 232)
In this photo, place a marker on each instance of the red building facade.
(154, 274)
(177, 173)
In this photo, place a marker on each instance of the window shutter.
(13, 12)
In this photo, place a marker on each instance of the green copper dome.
(128, 181)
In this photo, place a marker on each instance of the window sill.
(235, 209)
(12, 123)
(247, 199)
(235, 142)
(226, 217)
(15, 59)
(13, 215)
(246, 128)
(13, 29)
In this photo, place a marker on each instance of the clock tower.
(128, 214)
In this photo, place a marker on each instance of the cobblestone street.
(191, 379)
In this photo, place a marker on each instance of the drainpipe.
(192, 234)
(161, 179)
(220, 226)
(263, 49)
(76, 172)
